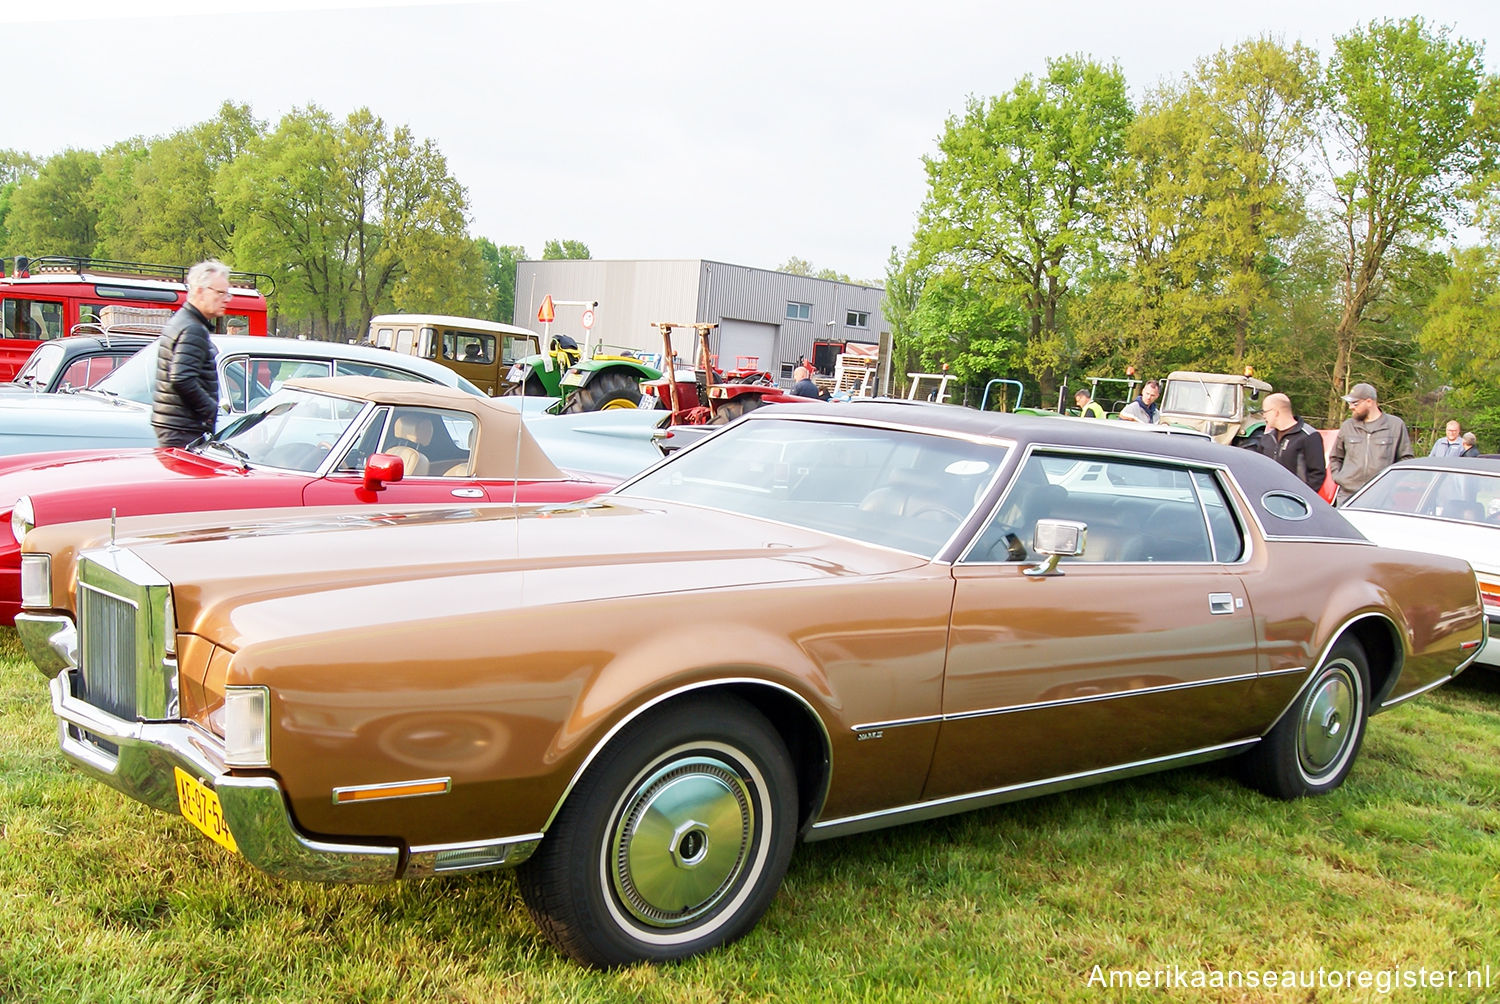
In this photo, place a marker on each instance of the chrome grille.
(107, 650)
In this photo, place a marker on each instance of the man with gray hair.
(1369, 441)
(185, 395)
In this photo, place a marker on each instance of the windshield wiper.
(239, 456)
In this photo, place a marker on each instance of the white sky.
(745, 132)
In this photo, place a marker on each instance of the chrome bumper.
(50, 640)
(255, 808)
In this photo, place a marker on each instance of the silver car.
(116, 412)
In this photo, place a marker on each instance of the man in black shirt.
(1291, 442)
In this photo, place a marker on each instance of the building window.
(857, 319)
(798, 311)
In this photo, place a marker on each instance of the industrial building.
(774, 318)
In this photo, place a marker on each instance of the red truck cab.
(45, 298)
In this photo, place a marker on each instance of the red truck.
(45, 298)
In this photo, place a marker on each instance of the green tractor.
(600, 382)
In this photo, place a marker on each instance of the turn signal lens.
(247, 727)
(36, 581)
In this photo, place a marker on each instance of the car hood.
(33, 423)
(1478, 545)
(64, 481)
(242, 576)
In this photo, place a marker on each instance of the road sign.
(545, 313)
(588, 319)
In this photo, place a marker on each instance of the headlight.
(247, 727)
(22, 518)
(36, 581)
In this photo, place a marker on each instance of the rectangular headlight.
(36, 581)
(247, 727)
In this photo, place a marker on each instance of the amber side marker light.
(400, 789)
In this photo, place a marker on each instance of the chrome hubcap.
(682, 840)
(1328, 717)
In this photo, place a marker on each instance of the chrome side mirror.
(1056, 538)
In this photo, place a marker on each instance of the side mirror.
(1057, 538)
(381, 469)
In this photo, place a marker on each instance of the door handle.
(1221, 603)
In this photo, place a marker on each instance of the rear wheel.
(733, 408)
(606, 391)
(1310, 750)
(674, 841)
(532, 387)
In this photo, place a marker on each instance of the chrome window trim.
(1282, 494)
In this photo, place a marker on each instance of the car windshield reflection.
(895, 488)
(292, 430)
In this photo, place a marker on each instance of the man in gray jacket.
(1369, 441)
(185, 395)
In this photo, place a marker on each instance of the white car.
(1440, 505)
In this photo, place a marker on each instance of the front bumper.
(255, 808)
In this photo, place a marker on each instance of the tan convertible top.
(504, 448)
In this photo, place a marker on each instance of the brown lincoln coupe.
(820, 621)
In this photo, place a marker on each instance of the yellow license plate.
(200, 806)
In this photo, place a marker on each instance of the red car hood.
(86, 484)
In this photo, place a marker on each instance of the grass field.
(1185, 873)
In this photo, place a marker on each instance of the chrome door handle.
(1221, 603)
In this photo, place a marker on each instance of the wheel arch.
(800, 727)
(1385, 652)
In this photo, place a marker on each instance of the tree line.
(350, 217)
(1323, 221)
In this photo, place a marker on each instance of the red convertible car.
(325, 441)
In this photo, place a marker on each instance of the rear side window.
(1136, 511)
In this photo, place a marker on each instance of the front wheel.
(674, 841)
(1311, 749)
(605, 392)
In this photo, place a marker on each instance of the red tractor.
(706, 395)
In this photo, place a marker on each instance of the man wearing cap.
(1369, 441)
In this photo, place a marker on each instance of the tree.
(51, 212)
(1018, 190)
(558, 250)
(14, 165)
(500, 278)
(798, 266)
(1401, 140)
(166, 209)
(1256, 103)
(350, 219)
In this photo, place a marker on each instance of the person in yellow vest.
(1087, 406)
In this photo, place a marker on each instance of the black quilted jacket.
(186, 392)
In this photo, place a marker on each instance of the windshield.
(132, 379)
(1193, 397)
(41, 367)
(896, 488)
(292, 429)
(1472, 498)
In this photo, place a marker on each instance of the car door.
(436, 447)
(1142, 647)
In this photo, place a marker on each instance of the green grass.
(102, 899)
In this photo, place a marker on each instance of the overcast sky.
(740, 132)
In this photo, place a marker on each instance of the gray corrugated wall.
(634, 294)
(761, 295)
